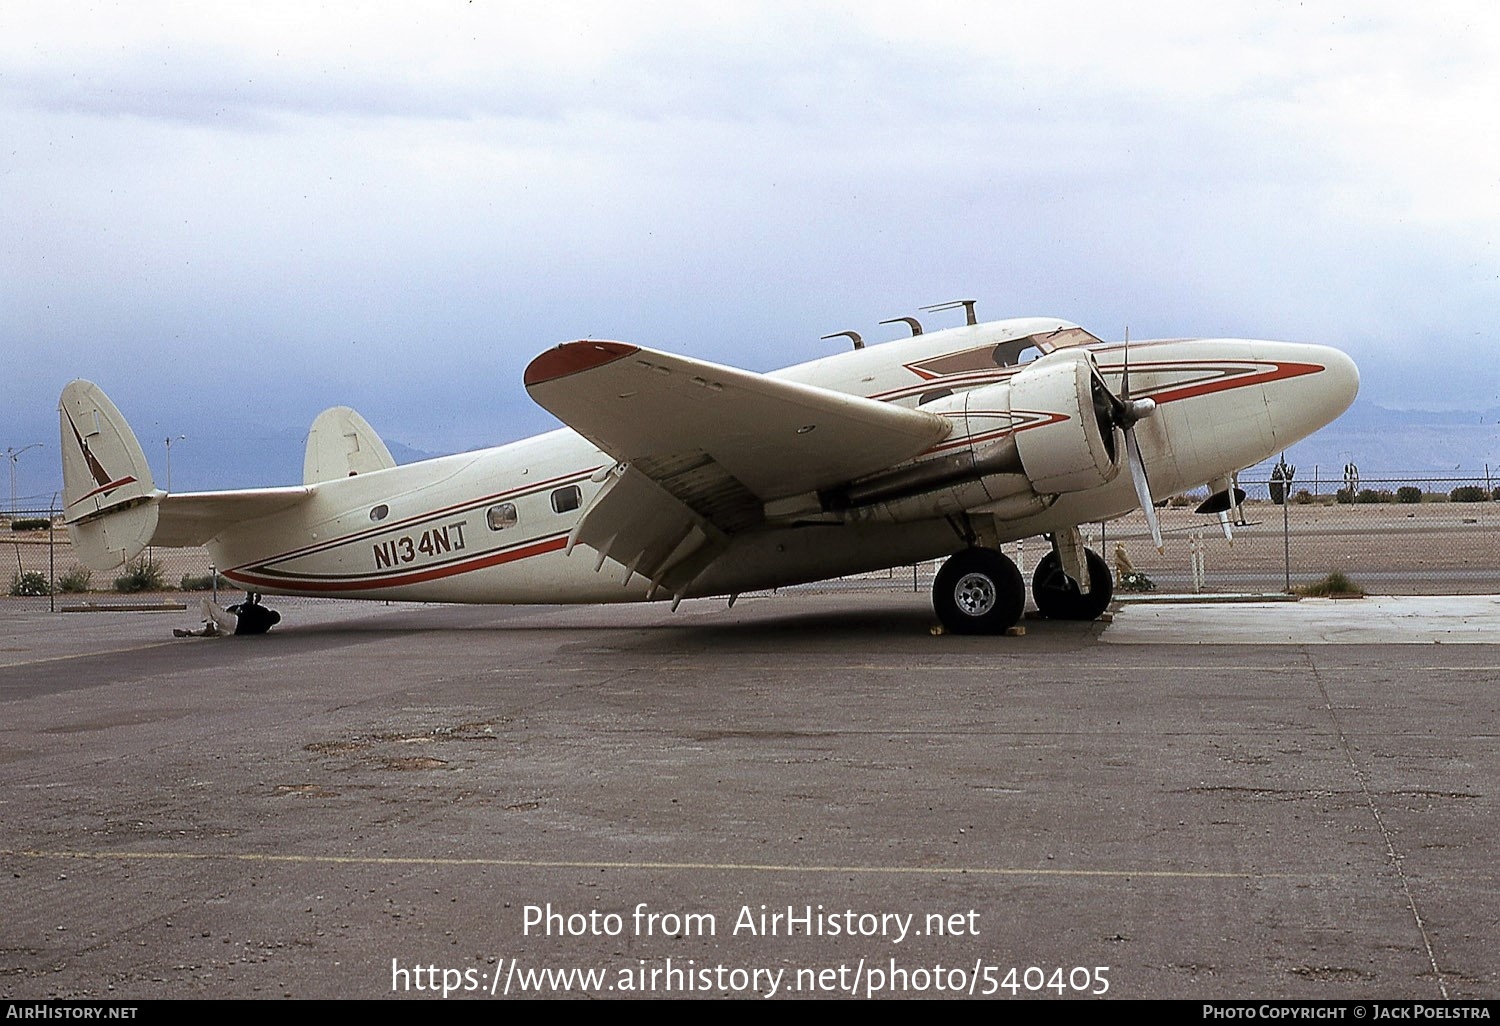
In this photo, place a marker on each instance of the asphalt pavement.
(809, 794)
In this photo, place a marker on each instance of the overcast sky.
(235, 215)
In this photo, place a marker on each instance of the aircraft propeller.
(1125, 413)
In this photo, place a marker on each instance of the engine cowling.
(1047, 430)
(1063, 431)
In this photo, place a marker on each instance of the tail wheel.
(979, 591)
(1058, 596)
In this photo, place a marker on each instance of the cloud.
(397, 206)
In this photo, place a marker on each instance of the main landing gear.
(1058, 596)
(980, 591)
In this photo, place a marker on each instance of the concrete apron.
(1374, 620)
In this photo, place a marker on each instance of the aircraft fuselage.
(493, 525)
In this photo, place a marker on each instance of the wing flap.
(639, 525)
(775, 437)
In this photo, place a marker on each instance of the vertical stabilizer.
(109, 498)
(341, 443)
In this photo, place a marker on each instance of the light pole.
(170, 440)
(14, 455)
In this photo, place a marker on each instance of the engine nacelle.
(1063, 432)
(1047, 430)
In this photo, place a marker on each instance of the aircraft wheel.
(1058, 596)
(979, 591)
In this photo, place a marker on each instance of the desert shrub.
(1344, 496)
(1336, 583)
(1408, 494)
(30, 582)
(75, 580)
(1184, 499)
(1303, 497)
(1467, 493)
(1136, 581)
(191, 582)
(31, 524)
(1373, 495)
(142, 575)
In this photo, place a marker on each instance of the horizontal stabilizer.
(194, 518)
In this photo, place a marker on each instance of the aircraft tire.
(979, 591)
(1057, 595)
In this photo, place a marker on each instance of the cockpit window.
(1004, 354)
(1062, 338)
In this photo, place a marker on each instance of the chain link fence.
(1395, 536)
(1391, 536)
(38, 564)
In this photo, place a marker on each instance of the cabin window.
(566, 500)
(380, 512)
(502, 516)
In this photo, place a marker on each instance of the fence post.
(1286, 544)
(1195, 561)
(52, 559)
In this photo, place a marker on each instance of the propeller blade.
(1142, 486)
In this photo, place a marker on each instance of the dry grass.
(1335, 585)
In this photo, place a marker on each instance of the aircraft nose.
(1320, 383)
(1340, 379)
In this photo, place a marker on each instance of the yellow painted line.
(747, 867)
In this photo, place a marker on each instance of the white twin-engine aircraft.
(678, 478)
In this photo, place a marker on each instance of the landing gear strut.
(1058, 596)
(979, 591)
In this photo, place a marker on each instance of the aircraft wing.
(702, 448)
(777, 438)
(192, 518)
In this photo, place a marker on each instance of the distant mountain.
(1387, 443)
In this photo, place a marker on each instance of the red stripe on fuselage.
(467, 506)
(398, 580)
(1279, 372)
